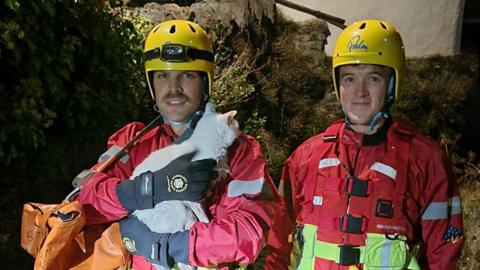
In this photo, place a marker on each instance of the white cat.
(211, 137)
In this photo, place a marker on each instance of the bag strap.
(83, 175)
(114, 158)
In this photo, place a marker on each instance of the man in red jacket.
(368, 190)
(179, 69)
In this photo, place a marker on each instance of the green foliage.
(231, 85)
(64, 63)
(12, 4)
(433, 91)
(71, 74)
(255, 125)
(294, 85)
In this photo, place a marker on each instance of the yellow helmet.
(369, 42)
(178, 45)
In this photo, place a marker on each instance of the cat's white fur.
(210, 139)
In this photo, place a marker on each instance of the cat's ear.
(210, 107)
(230, 117)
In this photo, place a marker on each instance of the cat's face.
(228, 125)
(217, 130)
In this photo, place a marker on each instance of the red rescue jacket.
(242, 208)
(392, 182)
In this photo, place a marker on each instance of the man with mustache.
(369, 190)
(179, 65)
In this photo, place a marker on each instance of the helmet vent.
(363, 25)
(383, 25)
(155, 29)
(172, 29)
(191, 28)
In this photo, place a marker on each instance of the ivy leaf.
(12, 4)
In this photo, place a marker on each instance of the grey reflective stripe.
(385, 169)
(240, 187)
(152, 255)
(435, 210)
(385, 253)
(456, 205)
(83, 176)
(111, 152)
(145, 190)
(328, 162)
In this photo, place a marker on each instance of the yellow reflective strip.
(331, 252)
(307, 260)
(413, 265)
(327, 251)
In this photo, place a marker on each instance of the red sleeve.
(98, 195)
(294, 178)
(281, 230)
(288, 187)
(441, 221)
(242, 215)
(278, 240)
(296, 175)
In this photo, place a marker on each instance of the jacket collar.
(368, 140)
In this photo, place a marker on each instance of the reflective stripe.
(385, 169)
(436, 210)
(152, 256)
(240, 187)
(456, 205)
(328, 162)
(331, 252)
(111, 152)
(378, 252)
(315, 248)
(385, 253)
(317, 200)
(145, 190)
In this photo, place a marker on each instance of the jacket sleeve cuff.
(125, 193)
(178, 246)
(137, 193)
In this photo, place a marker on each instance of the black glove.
(181, 179)
(164, 249)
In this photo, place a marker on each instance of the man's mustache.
(176, 95)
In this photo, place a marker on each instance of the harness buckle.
(356, 187)
(349, 255)
(351, 224)
(384, 209)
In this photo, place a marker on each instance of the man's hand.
(164, 249)
(181, 179)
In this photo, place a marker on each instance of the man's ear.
(206, 86)
(230, 117)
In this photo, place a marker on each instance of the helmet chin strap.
(190, 122)
(383, 113)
